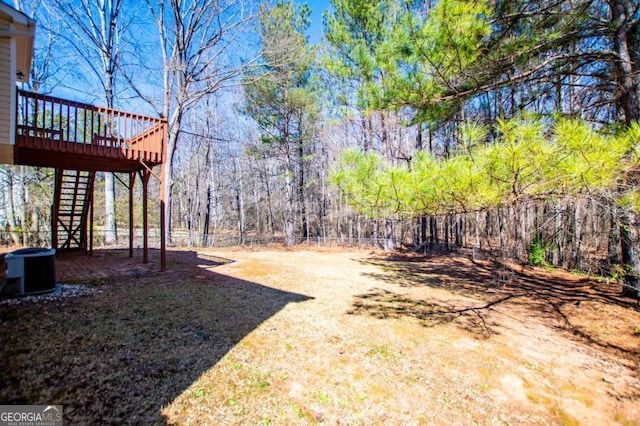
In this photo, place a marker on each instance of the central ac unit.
(30, 271)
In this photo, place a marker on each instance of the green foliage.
(436, 56)
(537, 252)
(517, 163)
(400, 58)
(279, 95)
(529, 160)
(424, 58)
(596, 160)
(472, 134)
(355, 31)
(363, 179)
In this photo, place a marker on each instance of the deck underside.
(40, 157)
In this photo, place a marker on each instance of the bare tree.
(24, 210)
(95, 29)
(200, 42)
(46, 70)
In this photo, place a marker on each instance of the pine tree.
(280, 99)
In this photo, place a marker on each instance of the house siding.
(7, 99)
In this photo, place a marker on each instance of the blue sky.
(317, 9)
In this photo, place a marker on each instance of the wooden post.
(132, 181)
(163, 229)
(55, 209)
(145, 215)
(91, 195)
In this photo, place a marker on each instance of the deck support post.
(91, 196)
(86, 203)
(163, 225)
(132, 181)
(55, 209)
(145, 215)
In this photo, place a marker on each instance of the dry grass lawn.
(330, 336)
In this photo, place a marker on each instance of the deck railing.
(45, 122)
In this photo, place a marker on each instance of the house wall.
(7, 96)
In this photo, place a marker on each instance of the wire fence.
(189, 239)
(186, 239)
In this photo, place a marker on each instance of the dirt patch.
(337, 337)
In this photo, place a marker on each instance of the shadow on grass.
(492, 283)
(122, 355)
(384, 304)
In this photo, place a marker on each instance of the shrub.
(537, 252)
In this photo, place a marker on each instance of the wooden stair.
(72, 200)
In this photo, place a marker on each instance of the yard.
(274, 336)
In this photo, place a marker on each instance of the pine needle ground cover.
(333, 337)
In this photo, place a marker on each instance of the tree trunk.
(630, 239)
(626, 74)
(110, 234)
(459, 230)
(258, 210)
(446, 232)
(23, 197)
(322, 213)
(433, 225)
(390, 241)
(386, 145)
(168, 185)
(110, 225)
(375, 233)
(270, 214)
(625, 68)
(501, 239)
(477, 230)
(577, 231)
(207, 218)
(518, 217)
(9, 208)
(613, 243)
(289, 214)
(558, 235)
(239, 199)
(302, 197)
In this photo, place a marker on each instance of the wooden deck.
(78, 140)
(53, 132)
